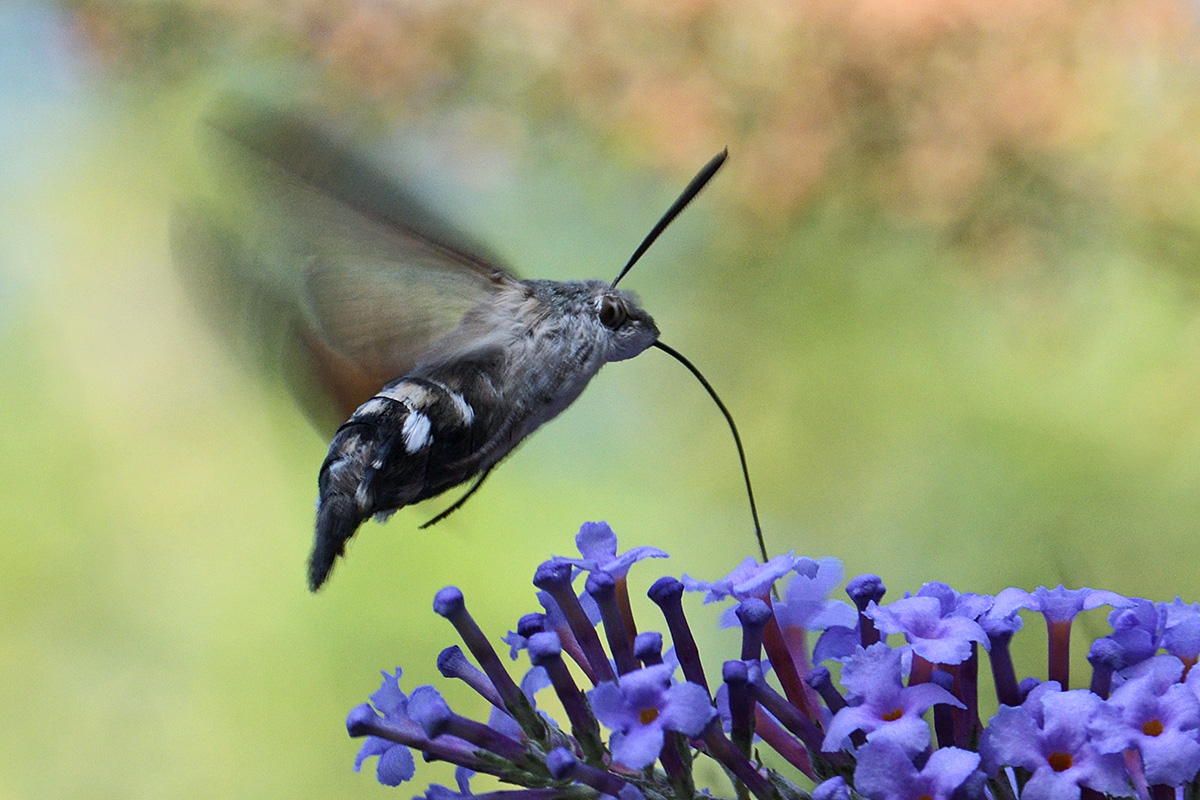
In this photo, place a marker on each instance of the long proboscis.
(737, 439)
(689, 192)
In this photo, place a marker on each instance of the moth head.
(628, 329)
(632, 330)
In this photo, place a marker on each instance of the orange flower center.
(647, 715)
(1060, 762)
(893, 715)
(1153, 728)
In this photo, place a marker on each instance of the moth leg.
(482, 453)
(460, 501)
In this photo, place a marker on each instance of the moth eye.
(612, 312)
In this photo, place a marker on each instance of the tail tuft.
(337, 520)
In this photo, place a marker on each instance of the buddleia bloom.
(638, 710)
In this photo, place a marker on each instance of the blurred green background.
(947, 284)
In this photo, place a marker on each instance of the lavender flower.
(643, 706)
(806, 605)
(396, 763)
(833, 789)
(1048, 736)
(886, 772)
(863, 737)
(1156, 715)
(882, 707)
(1063, 605)
(1181, 630)
(935, 634)
(749, 578)
(1137, 630)
(598, 545)
(1060, 606)
(840, 641)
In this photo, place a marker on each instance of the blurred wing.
(328, 272)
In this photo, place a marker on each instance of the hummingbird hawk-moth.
(435, 360)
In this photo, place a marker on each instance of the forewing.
(326, 271)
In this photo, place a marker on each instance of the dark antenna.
(690, 191)
(678, 356)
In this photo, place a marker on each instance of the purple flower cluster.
(902, 723)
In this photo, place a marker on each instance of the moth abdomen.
(411, 441)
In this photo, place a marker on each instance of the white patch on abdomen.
(407, 392)
(465, 412)
(376, 405)
(416, 431)
(464, 408)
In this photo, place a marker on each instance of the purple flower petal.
(596, 541)
(883, 707)
(373, 746)
(806, 604)
(886, 772)
(749, 579)
(641, 705)
(639, 746)
(1158, 716)
(833, 789)
(388, 698)
(1048, 735)
(395, 766)
(949, 768)
(838, 643)
(1181, 634)
(1011, 739)
(688, 709)
(1060, 604)
(598, 545)
(610, 707)
(941, 640)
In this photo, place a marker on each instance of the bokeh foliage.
(946, 283)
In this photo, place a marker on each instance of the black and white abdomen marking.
(414, 439)
(515, 361)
